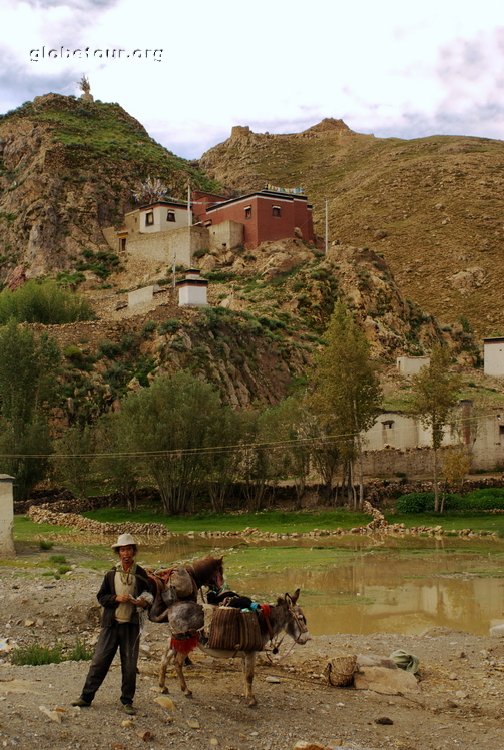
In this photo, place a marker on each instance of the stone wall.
(179, 244)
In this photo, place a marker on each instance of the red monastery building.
(265, 215)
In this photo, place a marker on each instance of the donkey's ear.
(295, 596)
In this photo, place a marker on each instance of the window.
(277, 211)
(149, 218)
(248, 212)
(207, 223)
(170, 216)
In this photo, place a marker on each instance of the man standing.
(124, 592)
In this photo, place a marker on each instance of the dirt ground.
(459, 703)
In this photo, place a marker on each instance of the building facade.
(265, 216)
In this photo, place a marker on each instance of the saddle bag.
(250, 632)
(181, 582)
(233, 630)
(224, 630)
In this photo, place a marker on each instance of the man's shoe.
(128, 709)
(81, 703)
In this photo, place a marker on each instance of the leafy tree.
(222, 457)
(74, 461)
(345, 390)
(114, 445)
(255, 463)
(435, 392)
(288, 424)
(171, 425)
(28, 390)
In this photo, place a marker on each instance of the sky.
(190, 70)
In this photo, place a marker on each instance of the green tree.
(114, 441)
(74, 460)
(435, 393)
(288, 424)
(28, 391)
(170, 424)
(345, 390)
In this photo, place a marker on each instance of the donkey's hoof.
(188, 694)
(164, 689)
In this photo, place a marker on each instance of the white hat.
(124, 540)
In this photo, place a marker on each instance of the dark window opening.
(170, 216)
(248, 212)
(149, 218)
(277, 211)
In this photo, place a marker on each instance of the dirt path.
(459, 703)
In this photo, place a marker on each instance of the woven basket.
(340, 671)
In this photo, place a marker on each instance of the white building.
(163, 216)
(408, 365)
(6, 515)
(193, 289)
(493, 356)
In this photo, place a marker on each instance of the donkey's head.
(295, 620)
(209, 572)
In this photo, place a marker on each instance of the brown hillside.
(432, 206)
(67, 169)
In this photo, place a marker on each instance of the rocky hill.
(432, 206)
(67, 168)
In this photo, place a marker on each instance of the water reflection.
(357, 586)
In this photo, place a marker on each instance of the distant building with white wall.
(163, 216)
(493, 356)
(408, 365)
(6, 515)
(192, 290)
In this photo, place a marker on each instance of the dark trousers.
(126, 636)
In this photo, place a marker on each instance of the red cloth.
(266, 610)
(184, 645)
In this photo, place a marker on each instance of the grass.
(37, 655)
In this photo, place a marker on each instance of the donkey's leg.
(249, 660)
(178, 663)
(166, 659)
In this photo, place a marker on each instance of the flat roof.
(261, 194)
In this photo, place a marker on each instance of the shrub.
(149, 327)
(109, 349)
(415, 502)
(45, 545)
(487, 499)
(42, 302)
(79, 652)
(36, 655)
(58, 559)
(169, 326)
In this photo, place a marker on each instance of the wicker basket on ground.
(340, 670)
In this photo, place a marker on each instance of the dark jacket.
(107, 593)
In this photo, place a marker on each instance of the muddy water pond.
(366, 586)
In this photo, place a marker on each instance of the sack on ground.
(339, 672)
(184, 617)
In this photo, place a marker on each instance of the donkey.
(285, 615)
(208, 571)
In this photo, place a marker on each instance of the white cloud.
(389, 68)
